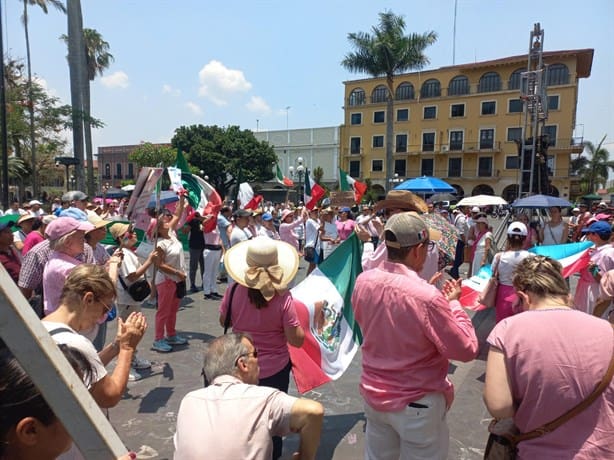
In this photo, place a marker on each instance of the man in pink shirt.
(410, 331)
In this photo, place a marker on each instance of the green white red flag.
(332, 336)
(313, 191)
(348, 184)
(283, 180)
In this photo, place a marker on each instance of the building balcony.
(347, 152)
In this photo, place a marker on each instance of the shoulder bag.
(311, 255)
(504, 436)
(139, 290)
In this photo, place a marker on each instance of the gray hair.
(60, 243)
(221, 355)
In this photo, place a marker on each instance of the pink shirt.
(56, 270)
(265, 325)
(31, 240)
(554, 359)
(231, 419)
(287, 233)
(345, 228)
(410, 331)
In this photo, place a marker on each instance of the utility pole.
(3, 128)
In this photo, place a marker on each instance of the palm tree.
(596, 169)
(387, 51)
(43, 5)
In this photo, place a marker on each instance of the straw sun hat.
(262, 263)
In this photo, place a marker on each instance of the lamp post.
(298, 173)
(67, 162)
(393, 181)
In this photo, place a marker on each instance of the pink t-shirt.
(410, 331)
(345, 228)
(554, 359)
(56, 270)
(265, 325)
(31, 240)
(287, 233)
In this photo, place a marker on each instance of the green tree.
(387, 52)
(148, 154)
(43, 5)
(97, 60)
(593, 169)
(229, 156)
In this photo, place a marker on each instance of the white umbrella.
(481, 200)
(128, 188)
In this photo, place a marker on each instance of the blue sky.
(182, 62)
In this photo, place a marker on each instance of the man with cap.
(460, 221)
(240, 231)
(268, 229)
(410, 332)
(24, 224)
(601, 261)
(35, 208)
(9, 257)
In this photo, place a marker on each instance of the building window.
(428, 142)
(356, 119)
(550, 131)
(489, 108)
(379, 94)
(550, 165)
(489, 82)
(118, 171)
(558, 74)
(485, 167)
(430, 112)
(379, 116)
(426, 167)
(457, 110)
(553, 102)
(378, 142)
(456, 140)
(357, 97)
(400, 167)
(377, 165)
(107, 171)
(514, 134)
(403, 115)
(354, 168)
(404, 92)
(401, 143)
(355, 145)
(130, 171)
(514, 106)
(487, 138)
(430, 88)
(458, 86)
(512, 162)
(515, 79)
(455, 166)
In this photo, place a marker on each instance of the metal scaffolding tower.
(533, 144)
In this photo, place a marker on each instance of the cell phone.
(594, 270)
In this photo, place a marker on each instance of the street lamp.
(67, 162)
(298, 173)
(395, 180)
(72, 182)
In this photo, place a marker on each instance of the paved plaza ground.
(145, 419)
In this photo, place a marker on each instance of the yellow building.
(460, 123)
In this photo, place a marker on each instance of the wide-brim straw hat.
(261, 252)
(402, 199)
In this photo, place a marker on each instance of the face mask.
(108, 315)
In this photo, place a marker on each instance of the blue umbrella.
(425, 185)
(166, 197)
(540, 201)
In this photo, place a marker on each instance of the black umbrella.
(115, 193)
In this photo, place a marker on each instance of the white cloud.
(194, 108)
(168, 89)
(258, 105)
(217, 82)
(117, 79)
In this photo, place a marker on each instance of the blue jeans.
(458, 259)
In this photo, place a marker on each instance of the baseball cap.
(64, 225)
(242, 213)
(408, 230)
(599, 227)
(75, 213)
(517, 228)
(475, 209)
(5, 225)
(33, 202)
(575, 210)
(345, 209)
(267, 216)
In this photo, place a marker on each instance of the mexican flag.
(283, 180)
(247, 199)
(202, 197)
(332, 336)
(313, 192)
(348, 183)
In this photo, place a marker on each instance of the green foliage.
(371, 195)
(152, 155)
(228, 156)
(593, 169)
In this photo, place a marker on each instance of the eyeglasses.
(106, 307)
(430, 244)
(247, 355)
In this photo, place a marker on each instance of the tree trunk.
(35, 190)
(91, 190)
(76, 64)
(389, 134)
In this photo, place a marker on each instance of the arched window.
(515, 78)
(379, 94)
(458, 86)
(558, 74)
(404, 92)
(118, 171)
(357, 97)
(107, 170)
(430, 88)
(489, 82)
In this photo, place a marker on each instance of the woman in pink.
(286, 228)
(260, 304)
(345, 223)
(547, 360)
(37, 234)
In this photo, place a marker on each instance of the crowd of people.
(548, 350)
